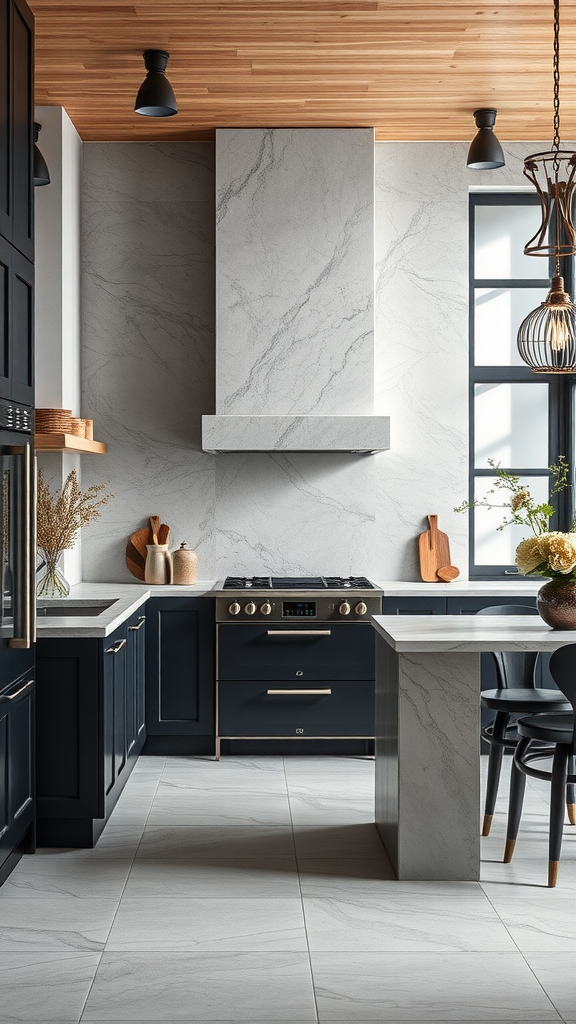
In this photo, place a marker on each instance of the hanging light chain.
(556, 140)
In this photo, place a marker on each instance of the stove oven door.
(321, 651)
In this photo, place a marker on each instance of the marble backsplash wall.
(148, 372)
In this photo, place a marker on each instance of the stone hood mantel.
(295, 292)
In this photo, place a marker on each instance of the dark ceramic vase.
(557, 604)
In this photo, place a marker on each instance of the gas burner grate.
(348, 582)
(245, 582)
(297, 583)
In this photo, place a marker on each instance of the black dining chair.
(545, 736)
(516, 695)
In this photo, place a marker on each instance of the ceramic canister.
(158, 566)
(185, 563)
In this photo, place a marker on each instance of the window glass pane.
(511, 424)
(497, 547)
(498, 313)
(501, 234)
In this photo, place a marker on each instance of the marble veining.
(294, 305)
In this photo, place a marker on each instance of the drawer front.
(332, 708)
(276, 652)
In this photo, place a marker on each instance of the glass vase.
(557, 603)
(51, 581)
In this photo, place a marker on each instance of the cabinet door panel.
(5, 125)
(22, 331)
(108, 722)
(6, 255)
(414, 605)
(180, 676)
(120, 727)
(20, 760)
(23, 91)
(3, 776)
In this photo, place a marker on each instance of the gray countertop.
(127, 598)
(465, 633)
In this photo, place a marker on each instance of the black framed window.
(522, 420)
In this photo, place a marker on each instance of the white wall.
(58, 228)
(148, 372)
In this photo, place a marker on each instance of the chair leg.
(515, 801)
(571, 794)
(557, 802)
(499, 726)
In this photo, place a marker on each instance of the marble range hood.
(295, 293)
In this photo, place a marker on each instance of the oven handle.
(318, 693)
(298, 632)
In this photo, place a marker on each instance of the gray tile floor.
(257, 890)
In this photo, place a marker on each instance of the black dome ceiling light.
(485, 153)
(41, 172)
(155, 96)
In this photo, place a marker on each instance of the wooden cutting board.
(136, 548)
(433, 551)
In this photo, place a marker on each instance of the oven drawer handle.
(318, 693)
(299, 632)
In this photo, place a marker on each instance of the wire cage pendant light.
(547, 336)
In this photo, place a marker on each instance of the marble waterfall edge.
(359, 434)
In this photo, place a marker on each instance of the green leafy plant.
(523, 509)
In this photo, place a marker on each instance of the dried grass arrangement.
(59, 518)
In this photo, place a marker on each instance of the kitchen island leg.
(428, 762)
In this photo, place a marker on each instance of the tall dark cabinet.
(17, 600)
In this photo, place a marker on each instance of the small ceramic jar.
(185, 565)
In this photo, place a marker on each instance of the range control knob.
(360, 608)
(250, 608)
(344, 608)
(266, 608)
(234, 608)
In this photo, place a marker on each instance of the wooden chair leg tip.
(487, 824)
(571, 808)
(509, 850)
(552, 873)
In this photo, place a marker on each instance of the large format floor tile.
(428, 986)
(248, 925)
(195, 807)
(276, 877)
(56, 923)
(216, 842)
(243, 987)
(397, 924)
(42, 877)
(46, 986)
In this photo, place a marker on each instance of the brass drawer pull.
(299, 632)
(117, 647)
(317, 693)
(141, 622)
(12, 696)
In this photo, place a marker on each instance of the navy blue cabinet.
(180, 674)
(90, 696)
(16, 125)
(17, 834)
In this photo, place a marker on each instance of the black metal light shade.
(155, 96)
(41, 172)
(485, 153)
(547, 337)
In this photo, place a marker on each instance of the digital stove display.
(298, 609)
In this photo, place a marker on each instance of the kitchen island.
(427, 734)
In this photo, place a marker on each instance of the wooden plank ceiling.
(412, 71)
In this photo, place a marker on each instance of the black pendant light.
(155, 96)
(485, 153)
(41, 172)
(547, 336)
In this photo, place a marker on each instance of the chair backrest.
(563, 671)
(515, 669)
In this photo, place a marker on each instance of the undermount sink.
(66, 608)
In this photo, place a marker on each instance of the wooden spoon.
(164, 534)
(447, 573)
(154, 526)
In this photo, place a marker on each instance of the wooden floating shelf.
(68, 443)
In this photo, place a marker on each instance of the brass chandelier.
(547, 337)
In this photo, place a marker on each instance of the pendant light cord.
(556, 139)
